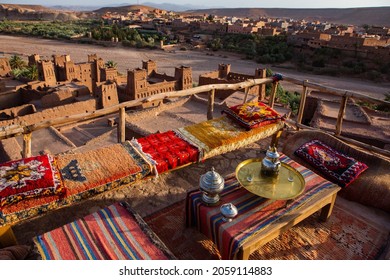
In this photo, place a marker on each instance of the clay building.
(146, 81)
(5, 67)
(225, 76)
(64, 88)
(62, 69)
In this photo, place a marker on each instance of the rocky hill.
(356, 16)
(125, 9)
(36, 12)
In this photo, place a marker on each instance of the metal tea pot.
(211, 184)
(270, 165)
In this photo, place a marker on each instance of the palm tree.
(111, 64)
(17, 62)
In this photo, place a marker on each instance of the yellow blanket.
(223, 135)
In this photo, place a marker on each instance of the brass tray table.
(288, 184)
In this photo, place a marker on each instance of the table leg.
(326, 211)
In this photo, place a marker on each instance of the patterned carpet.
(343, 237)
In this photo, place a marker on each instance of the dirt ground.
(199, 61)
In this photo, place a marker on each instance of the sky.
(218, 3)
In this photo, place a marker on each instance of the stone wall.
(56, 112)
(10, 99)
(17, 111)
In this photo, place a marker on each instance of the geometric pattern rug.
(343, 236)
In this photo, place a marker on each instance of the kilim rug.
(343, 237)
(84, 175)
(112, 233)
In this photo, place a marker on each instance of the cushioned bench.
(371, 188)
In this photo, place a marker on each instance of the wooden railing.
(15, 130)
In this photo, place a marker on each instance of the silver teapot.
(228, 211)
(211, 184)
(270, 165)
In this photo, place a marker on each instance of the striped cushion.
(113, 233)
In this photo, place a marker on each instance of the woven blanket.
(254, 213)
(29, 177)
(167, 150)
(113, 233)
(84, 175)
(222, 135)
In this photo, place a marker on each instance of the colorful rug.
(113, 233)
(167, 150)
(222, 135)
(344, 236)
(84, 175)
(29, 177)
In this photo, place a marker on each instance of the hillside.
(356, 16)
(124, 9)
(37, 12)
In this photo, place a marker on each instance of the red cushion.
(336, 166)
(253, 114)
(168, 150)
(29, 177)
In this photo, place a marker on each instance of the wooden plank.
(302, 105)
(341, 114)
(122, 126)
(335, 91)
(27, 145)
(210, 107)
(273, 94)
(246, 94)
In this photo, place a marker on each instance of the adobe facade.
(224, 75)
(5, 67)
(146, 81)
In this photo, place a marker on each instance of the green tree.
(111, 64)
(16, 62)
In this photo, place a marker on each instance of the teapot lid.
(272, 152)
(211, 179)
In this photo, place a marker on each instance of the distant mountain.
(356, 16)
(74, 8)
(175, 7)
(124, 9)
(379, 16)
(37, 12)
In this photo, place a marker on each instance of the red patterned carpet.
(343, 237)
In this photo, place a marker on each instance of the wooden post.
(122, 126)
(261, 73)
(273, 94)
(27, 145)
(210, 108)
(302, 105)
(340, 117)
(246, 94)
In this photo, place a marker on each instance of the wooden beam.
(302, 105)
(340, 117)
(246, 94)
(273, 94)
(210, 104)
(335, 91)
(27, 145)
(122, 126)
